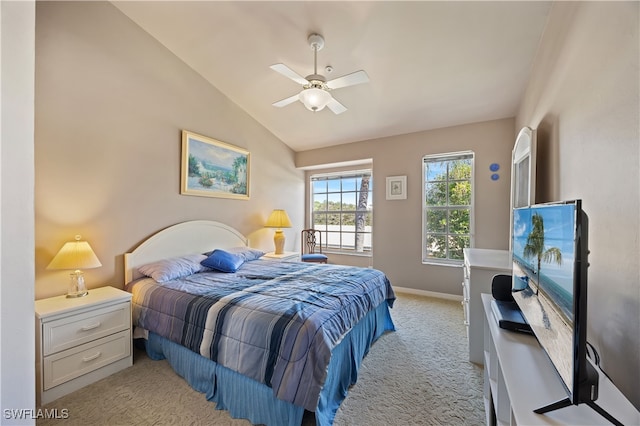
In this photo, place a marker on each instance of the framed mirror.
(523, 173)
(523, 169)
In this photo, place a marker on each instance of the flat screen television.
(549, 256)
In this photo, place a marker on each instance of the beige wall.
(110, 105)
(397, 224)
(583, 98)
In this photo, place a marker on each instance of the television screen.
(545, 271)
(550, 261)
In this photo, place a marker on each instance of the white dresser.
(81, 340)
(480, 265)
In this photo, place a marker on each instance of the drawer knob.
(91, 326)
(92, 357)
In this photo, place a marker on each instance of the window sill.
(449, 264)
(342, 253)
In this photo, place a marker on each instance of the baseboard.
(435, 294)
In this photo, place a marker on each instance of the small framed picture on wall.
(396, 187)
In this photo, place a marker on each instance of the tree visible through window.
(447, 206)
(342, 210)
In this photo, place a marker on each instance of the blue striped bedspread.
(275, 322)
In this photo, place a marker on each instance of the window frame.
(344, 174)
(431, 158)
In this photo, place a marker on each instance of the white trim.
(352, 163)
(458, 155)
(524, 147)
(451, 263)
(427, 293)
(343, 173)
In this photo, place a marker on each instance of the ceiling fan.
(315, 87)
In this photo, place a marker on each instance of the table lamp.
(75, 255)
(278, 219)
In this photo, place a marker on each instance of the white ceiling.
(430, 64)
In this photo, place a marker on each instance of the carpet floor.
(417, 375)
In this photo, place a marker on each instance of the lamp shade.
(75, 255)
(314, 99)
(278, 219)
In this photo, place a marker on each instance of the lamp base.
(74, 295)
(278, 241)
(76, 285)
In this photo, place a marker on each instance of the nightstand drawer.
(74, 330)
(64, 366)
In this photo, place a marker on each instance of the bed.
(264, 340)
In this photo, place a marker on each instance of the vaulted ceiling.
(430, 64)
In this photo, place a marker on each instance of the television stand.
(591, 385)
(519, 378)
(567, 403)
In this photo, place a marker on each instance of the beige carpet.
(418, 375)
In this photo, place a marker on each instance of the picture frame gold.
(211, 168)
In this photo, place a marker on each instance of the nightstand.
(287, 256)
(81, 340)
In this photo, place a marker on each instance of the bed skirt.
(229, 389)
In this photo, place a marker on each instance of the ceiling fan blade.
(352, 79)
(287, 101)
(289, 73)
(336, 106)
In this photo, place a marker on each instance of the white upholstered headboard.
(197, 236)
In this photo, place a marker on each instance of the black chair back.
(311, 246)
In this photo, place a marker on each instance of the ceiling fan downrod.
(316, 42)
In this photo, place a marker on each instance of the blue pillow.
(223, 261)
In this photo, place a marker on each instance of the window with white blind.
(447, 208)
(342, 209)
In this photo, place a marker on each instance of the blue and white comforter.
(275, 322)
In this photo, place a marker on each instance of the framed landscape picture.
(211, 168)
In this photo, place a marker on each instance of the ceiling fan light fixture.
(314, 99)
(315, 93)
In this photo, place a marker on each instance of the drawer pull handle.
(91, 326)
(92, 357)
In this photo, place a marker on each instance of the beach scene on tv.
(543, 262)
(544, 252)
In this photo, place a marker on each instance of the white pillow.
(247, 253)
(176, 267)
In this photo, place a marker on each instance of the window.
(342, 210)
(448, 207)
